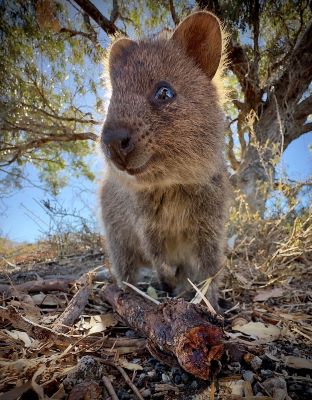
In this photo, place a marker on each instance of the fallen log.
(177, 332)
(75, 306)
(39, 285)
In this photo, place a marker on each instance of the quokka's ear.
(119, 52)
(200, 35)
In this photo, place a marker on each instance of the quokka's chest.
(167, 220)
(169, 213)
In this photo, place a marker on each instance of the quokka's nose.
(119, 143)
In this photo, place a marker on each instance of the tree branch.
(73, 33)
(256, 31)
(298, 73)
(61, 118)
(230, 151)
(38, 143)
(304, 108)
(306, 128)
(115, 12)
(174, 16)
(107, 25)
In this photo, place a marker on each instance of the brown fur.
(168, 205)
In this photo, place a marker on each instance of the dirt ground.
(101, 358)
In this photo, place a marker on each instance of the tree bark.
(279, 119)
(176, 331)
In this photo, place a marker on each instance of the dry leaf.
(298, 362)
(152, 292)
(267, 294)
(259, 331)
(128, 365)
(99, 323)
(23, 336)
(27, 304)
(239, 321)
(242, 279)
(232, 386)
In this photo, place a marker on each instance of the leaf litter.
(268, 311)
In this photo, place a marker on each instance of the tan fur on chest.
(171, 211)
(170, 217)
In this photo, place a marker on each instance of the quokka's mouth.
(142, 168)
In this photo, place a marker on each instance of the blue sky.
(23, 219)
(18, 224)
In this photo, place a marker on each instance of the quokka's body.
(165, 197)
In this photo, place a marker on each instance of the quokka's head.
(164, 123)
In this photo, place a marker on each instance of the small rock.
(256, 363)
(87, 369)
(176, 370)
(146, 393)
(131, 334)
(152, 361)
(185, 378)
(177, 379)
(248, 376)
(235, 367)
(165, 378)
(159, 367)
(266, 373)
(86, 391)
(141, 379)
(259, 394)
(194, 385)
(276, 387)
(151, 374)
(268, 363)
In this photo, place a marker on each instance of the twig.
(75, 306)
(141, 293)
(33, 329)
(205, 300)
(109, 387)
(36, 286)
(128, 380)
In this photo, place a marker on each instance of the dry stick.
(128, 380)
(247, 389)
(176, 331)
(32, 329)
(109, 387)
(37, 331)
(36, 286)
(75, 306)
(124, 342)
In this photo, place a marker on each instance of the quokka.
(165, 198)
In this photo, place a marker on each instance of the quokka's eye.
(164, 93)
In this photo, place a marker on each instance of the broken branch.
(39, 285)
(75, 306)
(178, 332)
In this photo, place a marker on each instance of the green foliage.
(45, 78)
(50, 68)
